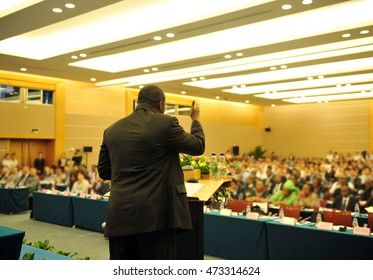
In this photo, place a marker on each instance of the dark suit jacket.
(337, 204)
(140, 155)
(39, 164)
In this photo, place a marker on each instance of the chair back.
(342, 218)
(328, 216)
(292, 211)
(323, 203)
(370, 220)
(237, 205)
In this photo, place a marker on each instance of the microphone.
(189, 166)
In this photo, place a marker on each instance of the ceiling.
(259, 51)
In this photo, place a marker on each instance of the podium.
(190, 243)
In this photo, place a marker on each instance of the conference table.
(55, 209)
(14, 200)
(10, 243)
(70, 210)
(236, 237)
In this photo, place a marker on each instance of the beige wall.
(89, 110)
(315, 129)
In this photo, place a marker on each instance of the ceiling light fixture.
(154, 69)
(326, 99)
(273, 105)
(307, 2)
(309, 78)
(23, 69)
(273, 68)
(239, 54)
(141, 86)
(346, 35)
(70, 5)
(194, 79)
(74, 57)
(247, 101)
(202, 78)
(157, 38)
(283, 67)
(320, 77)
(57, 10)
(83, 55)
(363, 32)
(286, 7)
(170, 35)
(217, 97)
(183, 92)
(93, 79)
(146, 70)
(227, 56)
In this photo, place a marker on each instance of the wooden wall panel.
(315, 129)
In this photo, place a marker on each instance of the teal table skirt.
(89, 213)
(55, 209)
(234, 237)
(10, 243)
(306, 242)
(14, 200)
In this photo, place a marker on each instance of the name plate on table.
(288, 221)
(83, 195)
(95, 196)
(361, 231)
(226, 212)
(252, 216)
(325, 226)
(55, 192)
(65, 193)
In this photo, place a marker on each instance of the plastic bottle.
(248, 208)
(213, 167)
(318, 218)
(222, 167)
(281, 214)
(357, 209)
(221, 205)
(355, 223)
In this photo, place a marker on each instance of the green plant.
(258, 152)
(28, 256)
(198, 162)
(44, 245)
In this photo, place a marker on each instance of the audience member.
(39, 164)
(77, 158)
(7, 161)
(14, 160)
(345, 201)
(62, 161)
(306, 197)
(81, 185)
(259, 193)
(287, 195)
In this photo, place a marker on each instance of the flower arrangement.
(197, 162)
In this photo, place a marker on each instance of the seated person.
(345, 201)
(306, 197)
(4, 176)
(239, 190)
(61, 178)
(276, 185)
(287, 195)
(81, 185)
(32, 182)
(259, 193)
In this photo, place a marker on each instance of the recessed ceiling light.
(217, 97)
(170, 35)
(273, 68)
(242, 86)
(320, 77)
(363, 92)
(183, 92)
(247, 101)
(154, 69)
(227, 56)
(346, 35)
(57, 10)
(234, 86)
(363, 32)
(319, 101)
(338, 86)
(157, 38)
(239, 54)
(307, 2)
(74, 57)
(92, 79)
(70, 5)
(23, 69)
(146, 70)
(348, 85)
(141, 86)
(194, 79)
(326, 101)
(309, 78)
(83, 55)
(273, 105)
(202, 78)
(283, 67)
(286, 7)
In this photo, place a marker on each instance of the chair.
(292, 211)
(370, 220)
(237, 205)
(342, 218)
(323, 203)
(328, 216)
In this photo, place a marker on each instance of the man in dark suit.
(39, 164)
(345, 201)
(148, 202)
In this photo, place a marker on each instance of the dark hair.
(151, 95)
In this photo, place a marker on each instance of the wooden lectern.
(190, 243)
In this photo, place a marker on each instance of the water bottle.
(318, 218)
(213, 167)
(357, 209)
(281, 214)
(221, 205)
(248, 208)
(222, 167)
(355, 222)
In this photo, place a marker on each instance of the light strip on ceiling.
(254, 62)
(328, 98)
(332, 81)
(351, 14)
(8, 7)
(287, 74)
(119, 21)
(316, 91)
